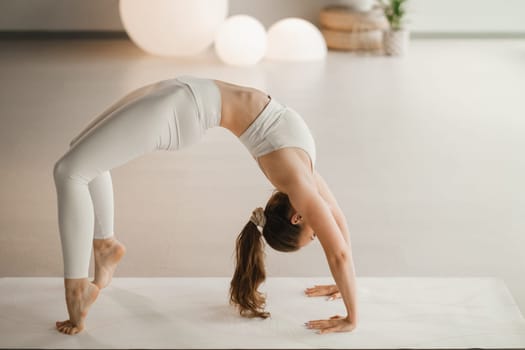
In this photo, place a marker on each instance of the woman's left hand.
(334, 324)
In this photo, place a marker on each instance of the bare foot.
(80, 294)
(108, 252)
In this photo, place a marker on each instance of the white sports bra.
(276, 127)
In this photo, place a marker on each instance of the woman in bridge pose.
(173, 114)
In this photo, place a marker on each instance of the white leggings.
(167, 115)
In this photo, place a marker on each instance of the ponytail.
(249, 273)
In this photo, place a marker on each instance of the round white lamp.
(172, 27)
(241, 40)
(295, 39)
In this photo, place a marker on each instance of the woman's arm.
(306, 199)
(324, 190)
(327, 195)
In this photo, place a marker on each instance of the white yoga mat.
(396, 312)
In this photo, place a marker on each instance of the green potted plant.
(395, 39)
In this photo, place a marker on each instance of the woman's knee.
(66, 169)
(61, 170)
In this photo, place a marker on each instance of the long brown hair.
(250, 272)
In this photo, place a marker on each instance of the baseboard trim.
(467, 35)
(52, 34)
(119, 34)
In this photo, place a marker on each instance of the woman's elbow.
(338, 258)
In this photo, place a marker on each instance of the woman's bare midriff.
(240, 106)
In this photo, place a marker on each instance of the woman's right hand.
(329, 290)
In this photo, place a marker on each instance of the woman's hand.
(334, 324)
(323, 290)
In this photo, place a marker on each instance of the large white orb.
(241, 40)
(295, 39)
(172, 27)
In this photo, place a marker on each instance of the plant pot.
(395, 42)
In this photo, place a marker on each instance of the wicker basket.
(343, 18)
(369, 40)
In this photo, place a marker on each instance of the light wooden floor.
(425, 155)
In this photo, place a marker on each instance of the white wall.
(464, 16)
(59, 15)
(427, 16)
